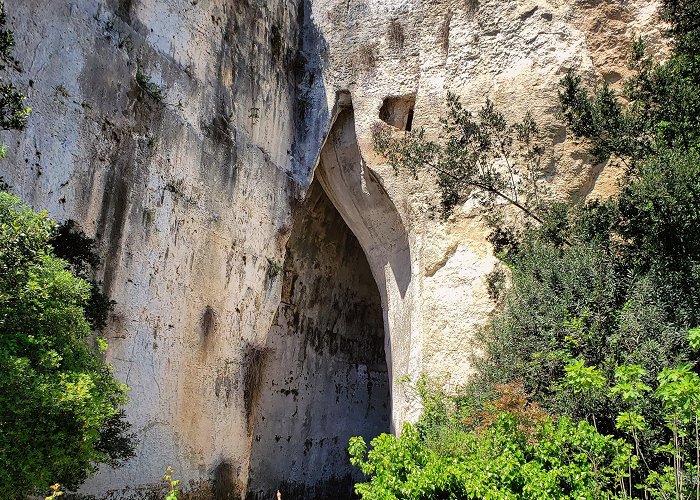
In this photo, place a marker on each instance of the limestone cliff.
(263, 316)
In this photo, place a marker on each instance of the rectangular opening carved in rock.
(397, 111)
(326, 377)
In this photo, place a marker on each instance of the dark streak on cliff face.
(114, 211)
(253, 360)
(310, 114)
(226, 486)
(221, 144)
(123, 9)
(128, 116)
(209, 323)
(123, 189)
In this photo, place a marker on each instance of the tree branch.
(490, 189)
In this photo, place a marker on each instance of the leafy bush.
(149, 86)
(623, 288)
(512, 448)
(623, 292)
(517, 452)
(59, 403)
(479, 155)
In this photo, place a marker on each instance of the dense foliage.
(59, 403)
(595, 323)
(516, 452)
(512, 448)
(626, 289)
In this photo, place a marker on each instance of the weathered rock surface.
(197, 199)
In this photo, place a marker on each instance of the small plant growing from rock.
(254, 115)
(55, 492)
(170, 483)
(148, 85)
(152, 141)
(273, 268)
(175, 186)
(61, 91)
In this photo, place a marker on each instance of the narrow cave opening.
(397, 111)
(325, 377)
(409, 120)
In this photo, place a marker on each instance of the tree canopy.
(59, 403)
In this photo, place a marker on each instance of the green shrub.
(516, 452)
(149, 86)
(615, 283)
(59, 403)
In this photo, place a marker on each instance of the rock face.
(186, 136)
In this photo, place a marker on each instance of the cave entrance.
(343, 326)
(325, 377)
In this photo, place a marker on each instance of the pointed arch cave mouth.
(326, 376)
